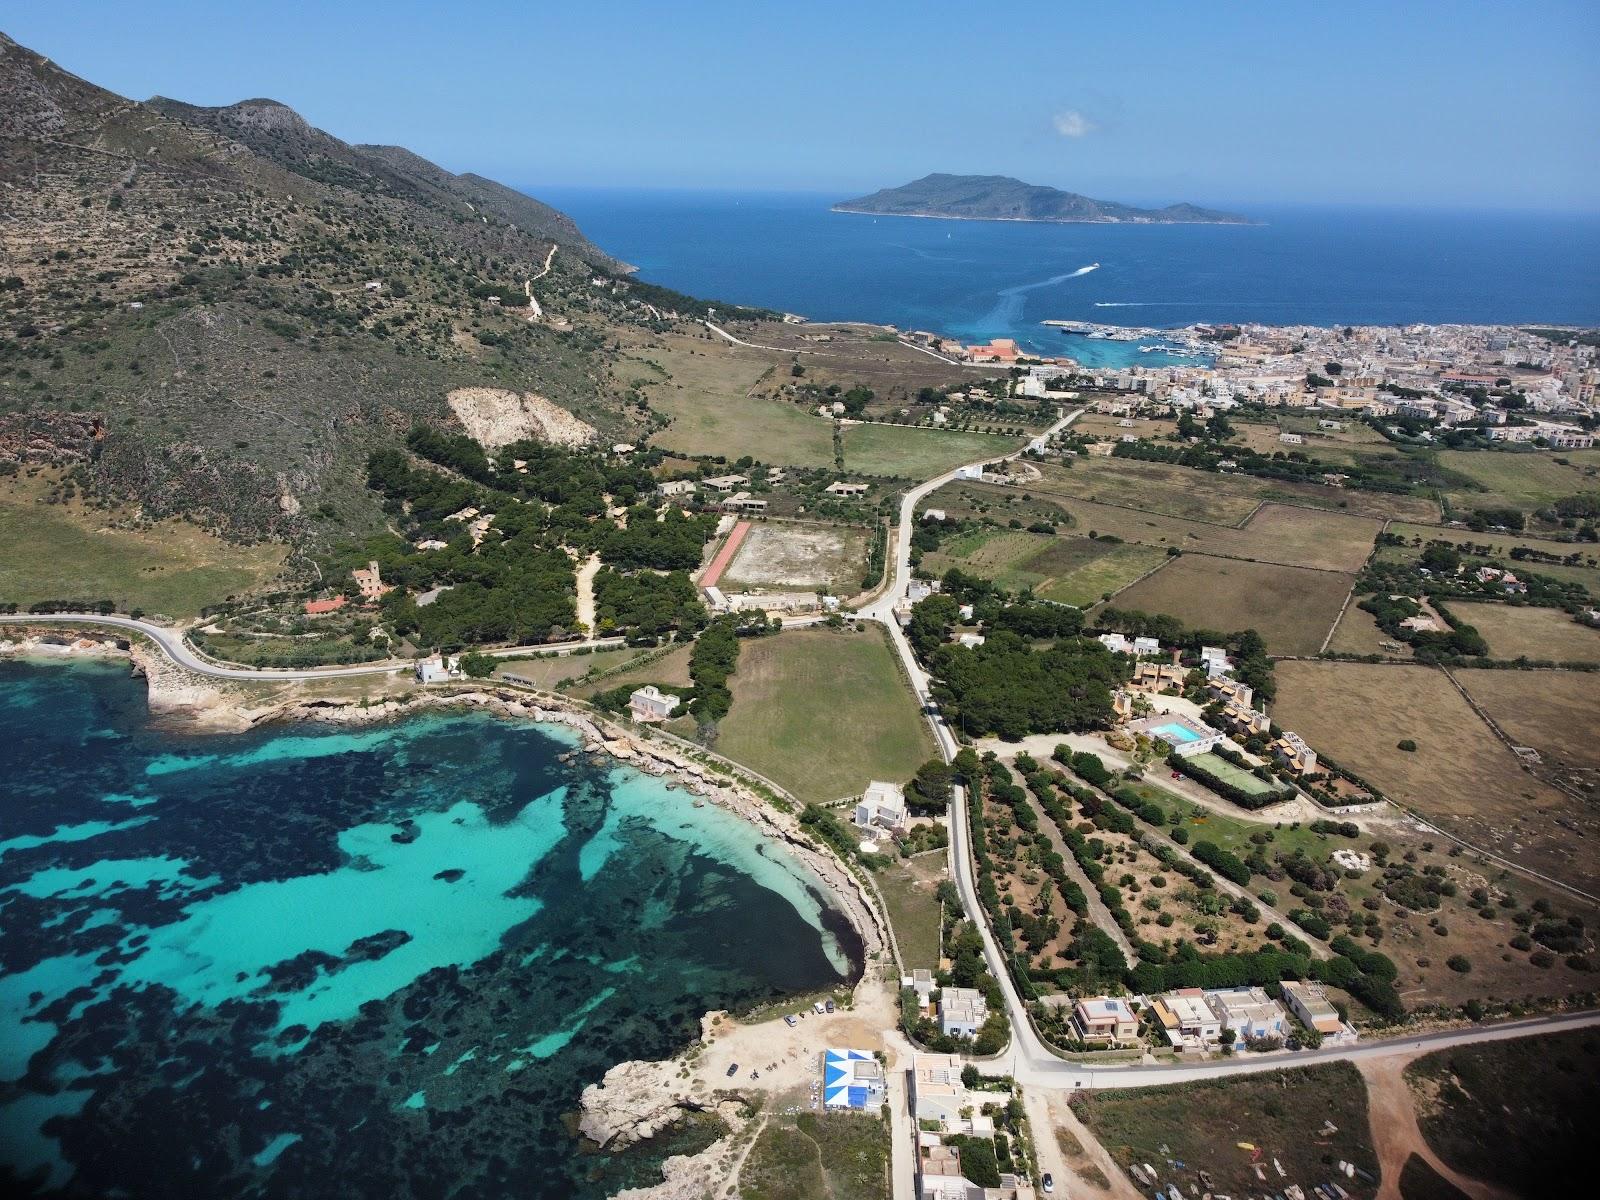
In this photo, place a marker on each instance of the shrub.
(1407, 745)
(1458, 963)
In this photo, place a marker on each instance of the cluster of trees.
(711, 662)
(1428, 646)
(649, 604)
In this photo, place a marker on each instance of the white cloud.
(1072, 123)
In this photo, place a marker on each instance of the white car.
(818, 1008)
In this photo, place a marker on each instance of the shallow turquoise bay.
(313, 961)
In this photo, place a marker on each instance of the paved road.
(174, 644)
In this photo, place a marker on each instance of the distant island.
(1001, 198)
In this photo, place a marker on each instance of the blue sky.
(1470, 103)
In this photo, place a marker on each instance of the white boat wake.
(1010, 306)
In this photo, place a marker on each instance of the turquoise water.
(1175, 733)
(314, 962)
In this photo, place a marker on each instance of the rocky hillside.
(244, 306)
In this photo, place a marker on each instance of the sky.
(1415, 103)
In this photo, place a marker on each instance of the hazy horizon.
(1435, 106)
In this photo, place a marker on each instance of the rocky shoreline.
(637, 1100)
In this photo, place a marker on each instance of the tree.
(929, 788)
(477, 666)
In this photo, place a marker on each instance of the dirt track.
(719, 564)
(1396, 1136)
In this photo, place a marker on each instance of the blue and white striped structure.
(851, 1079)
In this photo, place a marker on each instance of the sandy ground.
(1048, 1111)
(1396, 1136)
(785, 1062)
(586, 574)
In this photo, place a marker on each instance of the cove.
(316, 961)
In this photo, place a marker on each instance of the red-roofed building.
(321, 608)
(998, 350)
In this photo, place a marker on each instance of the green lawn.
(67, 551)
(1234, 833)
(912, 453)
(1229, 773)
(824, 713)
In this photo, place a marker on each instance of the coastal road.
(175, 645)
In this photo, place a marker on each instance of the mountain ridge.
(219, 312)
(1004, 198)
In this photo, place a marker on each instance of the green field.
(912, 453)
(1201, 1124)
(818, 1156)
(1521, 479)
(548, 670)
(672, 668)
(823, 713)
(1234, 833)
(1082, 572)
(908, 894)
(1515, 1113)
(68, 551)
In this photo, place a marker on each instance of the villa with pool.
(1178, 733)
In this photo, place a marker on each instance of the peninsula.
(1002, 198)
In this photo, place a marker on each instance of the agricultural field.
(799, 556)
(1555, 712)
(549, 671)
(1283, 1116)
(1421, 943)
(908, 894)
(705, 387)
(1111, 428)
(672, 668)
(72, 551)
(1151, 487)
(1516, 1114)
(1460, 775)
(1358, 633)
(907, 452)
(1225, 499)
(823, 712)
(1540, 634)
(1521, 479)
(818, 1156)
(1293, 608)
(1082, 572)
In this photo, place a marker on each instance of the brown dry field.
(1460, 776)
(1358, 633)
(1276, 533)
(1555, 712)
(1541, 634)
(1209, 496)
(1099, 425)
(797, 556)
(1291, 607)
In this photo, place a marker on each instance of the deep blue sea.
(983, 279)
(378, 962)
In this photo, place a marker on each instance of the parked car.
(1048, 1182)
(828, 1005)
(818, 1009)
(791, 1020)
(733, 1069)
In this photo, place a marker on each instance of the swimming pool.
(1172, 733)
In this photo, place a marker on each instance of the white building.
(435, 669)
(650, 703)
(1216, 662)
(962, 1011)
(882, 806)
(677, 487)
(1186, 1019)
(1310, 1004)
(1249, 1012)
